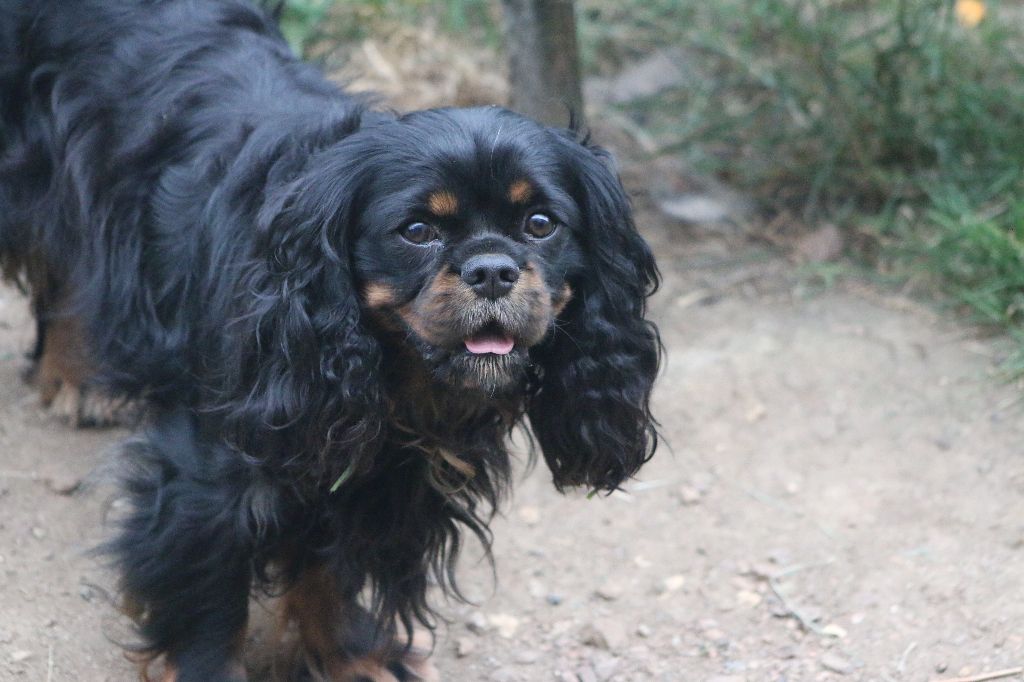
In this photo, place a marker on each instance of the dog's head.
(500, 253)
(468, 243)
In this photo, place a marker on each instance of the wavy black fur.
(209, 207)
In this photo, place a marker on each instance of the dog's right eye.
(419, 233)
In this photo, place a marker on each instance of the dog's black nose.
(491, 275)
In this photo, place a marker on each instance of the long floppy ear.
(591, 413)
(303, 386)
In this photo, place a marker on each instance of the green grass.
(832, 106)
(975, 252)
(301, 20)
(886, 113)
(308, 22)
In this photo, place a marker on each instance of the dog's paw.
(83, 407)
(417, 667)
(416, 662)
(413, 667)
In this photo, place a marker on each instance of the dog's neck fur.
(460, 427)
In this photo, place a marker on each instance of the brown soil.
(838, 496)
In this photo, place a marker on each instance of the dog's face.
(480, 244)
(468, 242)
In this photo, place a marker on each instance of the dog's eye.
(418, 233)
(540, 226)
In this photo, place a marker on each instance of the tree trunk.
(540, 36)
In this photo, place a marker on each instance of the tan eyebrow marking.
(520, 191)
(378, 295)
(443, 203)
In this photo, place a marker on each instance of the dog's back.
(119, 120)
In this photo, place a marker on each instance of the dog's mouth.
(491, 339)
(493, 359)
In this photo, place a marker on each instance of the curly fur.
(208, 208)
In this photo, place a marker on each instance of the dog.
(330, 317)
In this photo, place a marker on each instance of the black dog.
(332, 316)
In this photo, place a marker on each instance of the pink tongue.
(499, 345)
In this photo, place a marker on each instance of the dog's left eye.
(540, 226)
(419, 233)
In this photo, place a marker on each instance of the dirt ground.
(838, 496)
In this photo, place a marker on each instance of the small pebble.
(833, 630)
(21, 655)
(689, 496)
(674, 583)
(504, 675)
(530, 515)
(63, 483)
(464, 646)
(748, 598)
(836, 664)
(606, 668)
(505, 624)
(607, 634)
(477, 623)
(611, 590)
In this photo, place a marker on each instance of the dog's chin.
(495, 375)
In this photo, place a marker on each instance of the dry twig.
(982, 677)
(806, 623)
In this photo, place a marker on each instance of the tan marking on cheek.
(414, 321)
(443, 203)
(531, 284)
(378, 295)
(562, 300)
(532, 300)
(520, 191)
(430, 315)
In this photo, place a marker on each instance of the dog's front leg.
(339, 641)
(185, 552)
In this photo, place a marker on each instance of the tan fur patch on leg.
(63, 361)
(62, 377)
(315, 608)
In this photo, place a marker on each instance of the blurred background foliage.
(899, 121)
